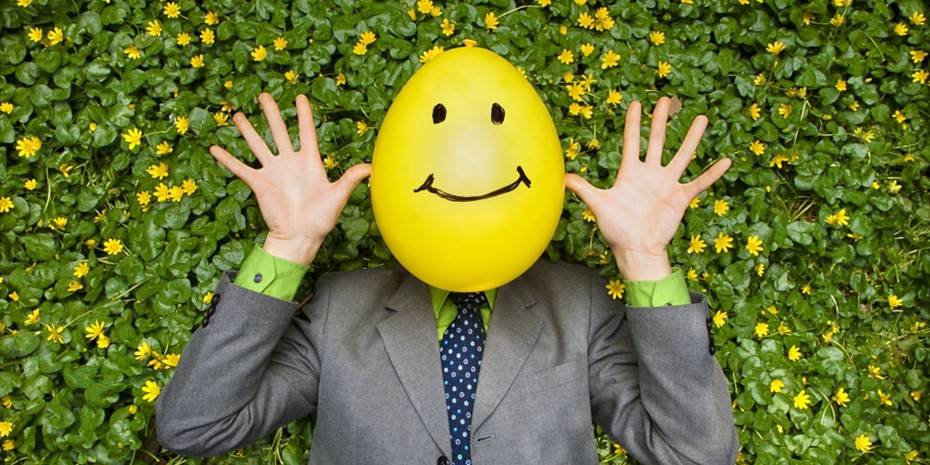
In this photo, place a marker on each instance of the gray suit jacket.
(363, 356)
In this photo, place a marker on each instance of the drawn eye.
(439, 113)
(497, 114)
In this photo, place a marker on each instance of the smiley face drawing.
(467, 180)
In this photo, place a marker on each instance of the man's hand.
(640, 214)
(299, 204)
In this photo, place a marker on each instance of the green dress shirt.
(280, 278)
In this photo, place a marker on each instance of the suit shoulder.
(560, 274)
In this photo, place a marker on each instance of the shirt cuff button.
(257, 278)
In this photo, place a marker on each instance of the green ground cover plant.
(115, 222)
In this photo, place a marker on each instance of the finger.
(694, 188)
(657, 132)
(581, 187)
(351, 179)
(256, 143)
(276, 123)
(688, 147)
(631, 135)
(241, 170)
(307, 128)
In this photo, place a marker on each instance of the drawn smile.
(428, 187)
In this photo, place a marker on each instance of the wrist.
(298, 250)
(636, 265)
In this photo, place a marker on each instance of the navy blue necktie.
(462, 344)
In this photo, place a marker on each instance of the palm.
(298, 203)
(640, 213)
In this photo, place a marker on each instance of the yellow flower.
(837, 20)
(563, 29)
(58, 223)
(760, 269)
(143, 351)
(424, 6)
(171, 360)
(893, 186)
(761, 330)
(899, 116)
(755, 111)
(911, 456)
(35, 35)
(33, 318)
(914, 395)
(133, 137)
(469, 43)
(197, 61)
(221, 119)
(794, 354)
(696, 244)
(545, 2)
(360, 48)
(657, 37)
(172, 10)
(692, 274)
(207, 36)
(720, 318)
(28, 146)
(587, 49)
(181, 125)
(784, 110)
(280, 44)
(14, 296)
(920, 76)
(431, 53)
(361, 127)
(806, 289)
(163, 148)
(566, 57)
(841, 397)
(448, 28)
(6, 204)
(917, 18)
(259, 53)
(839, 218)
(614, 97)
(863, 443)
(894, 301)
(151, 391)
(55, 36)
(576, 91)
(610, 59)
(759, 80)
(94, 331)
(23, 3)
(840, 85)
(159, 171)
(884, 398)
(776, 385)
(112, 246)
(54, 333)
(161, 192)
(585, 20)
(602, 19)
(754, 245)
(6, 107)
(367, 38)
(723, 242)
(721, 207)
(176, 193)
(757, 147)
(189, 186)
(802, 400)
(6, 427)
(775, 48)
(290, 76)
(900, 29)
(664, 69)
(490, 21)
(81, 269)
(154, 28)
(183, 39)
(875, 372)
(588, 215)
(615, 289)
(918, 55)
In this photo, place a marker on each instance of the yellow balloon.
(467, 178)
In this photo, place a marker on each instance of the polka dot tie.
(462, 344)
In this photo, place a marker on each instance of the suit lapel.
(410, 340)
(512, 334)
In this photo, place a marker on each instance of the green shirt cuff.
(671, 290)
(270, 275)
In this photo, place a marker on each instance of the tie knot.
(469, 299)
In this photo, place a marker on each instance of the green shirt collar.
(438, 297)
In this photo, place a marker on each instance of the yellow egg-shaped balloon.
(467, 178)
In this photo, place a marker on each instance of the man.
(363, 354)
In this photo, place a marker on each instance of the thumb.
(581, 187)
(352, 178)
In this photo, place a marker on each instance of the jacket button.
(442, 461)
(257, 278)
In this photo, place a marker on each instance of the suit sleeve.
(252, 369)
(655, 387)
